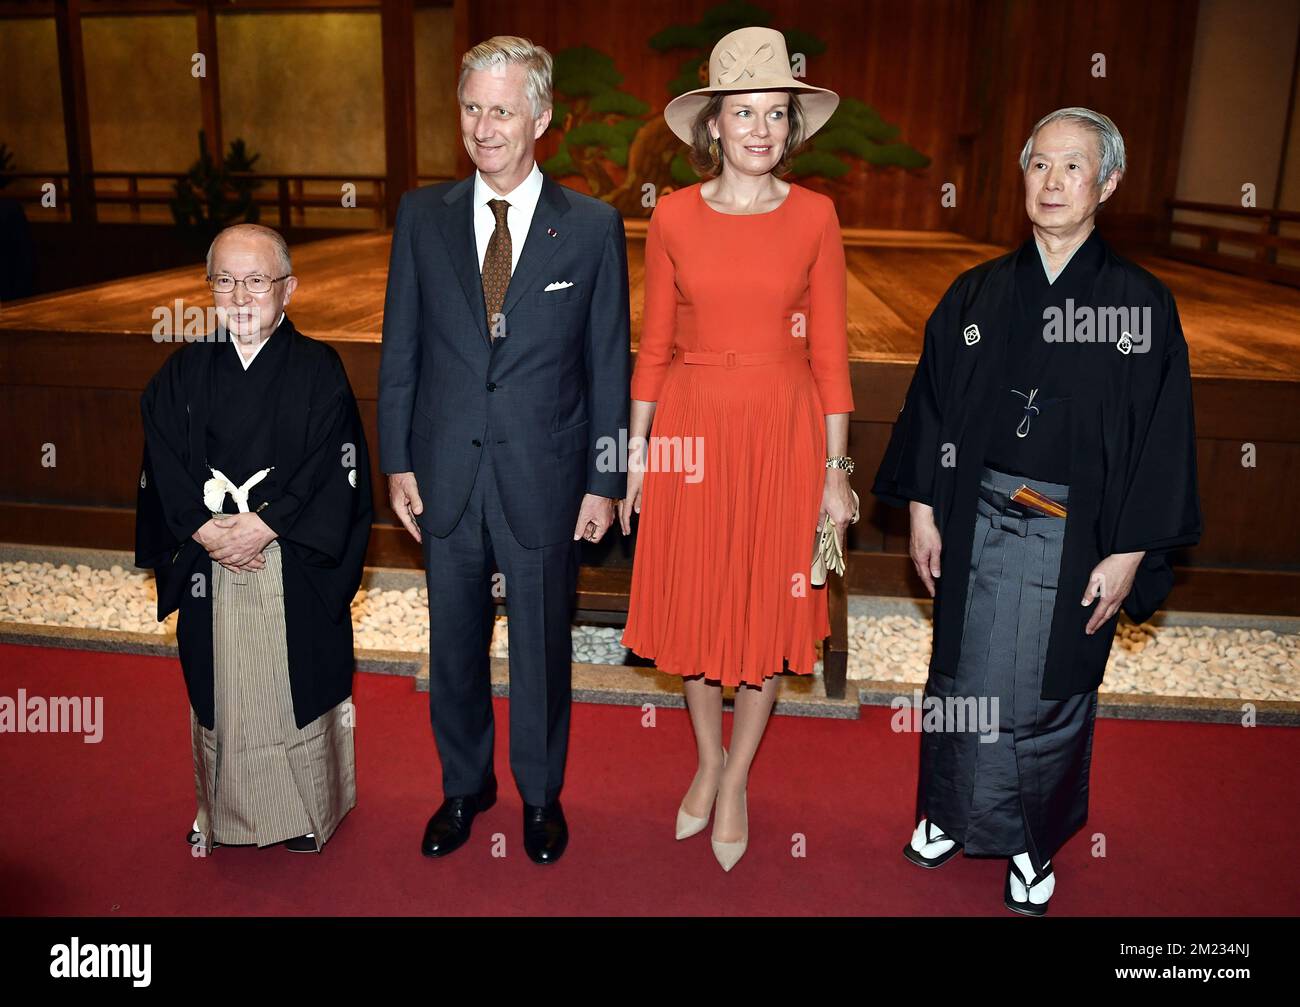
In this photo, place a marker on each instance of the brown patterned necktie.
(496, 265)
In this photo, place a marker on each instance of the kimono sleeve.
(328, 495)
(1161, 509)
(907, 470)
(169, 501)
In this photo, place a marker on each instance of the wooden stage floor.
(1235, 327)
(72, 365)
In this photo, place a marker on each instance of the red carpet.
(1197, 819)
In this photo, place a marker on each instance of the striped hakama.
(259, 778)
(1027, 791)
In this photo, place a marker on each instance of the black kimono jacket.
(1132, 448)
(318, 501)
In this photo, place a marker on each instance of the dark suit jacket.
(551, 393)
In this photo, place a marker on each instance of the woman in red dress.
(743, 369)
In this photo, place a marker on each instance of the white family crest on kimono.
(216, 488)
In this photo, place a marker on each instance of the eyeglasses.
(254, 284)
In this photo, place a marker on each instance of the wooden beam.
(76, 113)
(205, 17)
(30, 9)
(397, 32)
(119, 8)
(129, 7)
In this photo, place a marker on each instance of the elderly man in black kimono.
(1046, 450)
(254, 512)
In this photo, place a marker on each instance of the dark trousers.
(539, 585)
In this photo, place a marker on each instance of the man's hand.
(925, 544)
(1111, 581)
(243, 539)
(594, 518)
(404, 496)
(209, 535)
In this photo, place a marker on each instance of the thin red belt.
(732, 358)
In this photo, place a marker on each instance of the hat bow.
(733, 63)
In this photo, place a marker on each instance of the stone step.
(632, 685)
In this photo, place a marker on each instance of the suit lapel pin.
(971, 334)
(552, 232)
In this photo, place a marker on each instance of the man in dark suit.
(503, 388)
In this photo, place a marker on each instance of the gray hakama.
(1027, 791)
(259, 778)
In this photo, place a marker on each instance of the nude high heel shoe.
(688, 825)
(729, 854)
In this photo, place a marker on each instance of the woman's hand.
(837, 501)
(925, 544)
(631, 502)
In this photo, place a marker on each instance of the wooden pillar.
(463, 38)
(76, 114)
(205, 17)
(398, 39)
(835, 648)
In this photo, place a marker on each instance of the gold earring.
(714, 151)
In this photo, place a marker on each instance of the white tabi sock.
(1041, 892)
(933, 849)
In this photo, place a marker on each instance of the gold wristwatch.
(841, 462)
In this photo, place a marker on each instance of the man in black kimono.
(1046, 448)
(254, 512)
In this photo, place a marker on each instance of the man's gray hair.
(1109, 142)
(499, 50)
(284, 263)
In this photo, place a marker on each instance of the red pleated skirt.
(729, 507)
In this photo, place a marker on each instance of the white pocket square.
(558, 285)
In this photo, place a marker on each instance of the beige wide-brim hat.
(750, 59)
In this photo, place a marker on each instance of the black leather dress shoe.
(449, 827)
(545, 832)
(301, 844)
(195, 836)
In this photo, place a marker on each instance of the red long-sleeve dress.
(737, 456)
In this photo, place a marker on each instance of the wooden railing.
(287, 193)
(1264, 240)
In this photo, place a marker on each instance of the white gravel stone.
(1245, 664)
(1202, 661)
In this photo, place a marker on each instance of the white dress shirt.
(519, 216)
(247, 361)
